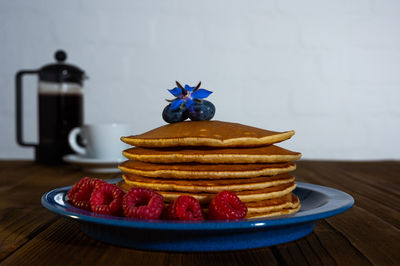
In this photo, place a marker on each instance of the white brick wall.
(328, 69)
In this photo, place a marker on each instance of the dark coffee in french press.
(60, 108)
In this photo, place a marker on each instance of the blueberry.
(202, 111)
(174, 116)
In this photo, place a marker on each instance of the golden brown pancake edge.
(190, 171)
(245, 196)
(207, 133)
(264, 154)
(208, 185)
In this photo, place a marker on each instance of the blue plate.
(317, 202)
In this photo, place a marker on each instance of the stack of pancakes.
(202, 158)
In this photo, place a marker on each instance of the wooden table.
(369, 233)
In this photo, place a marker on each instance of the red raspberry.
(142, 203)
(107, 199)
(76, 186)
(226, 206)
(79, 194)
(185, 208)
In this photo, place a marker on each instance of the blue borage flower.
(186, 96)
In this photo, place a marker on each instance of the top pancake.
(206, 133)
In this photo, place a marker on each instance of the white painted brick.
(386, 7)
(336, 65)
(324, 32)
(341, 99)
(320, 100)
(392, 101)
(339, 137)
(259, 7)
(373, 99)
(23, 33)
(226, 8)
(166, 64)
(6, 107)
(9, 149)
(376, 33)
(275, 31)
(84, 31)
(328, 69)
(180, 7)
(134, 7)
(227, 33)
(40, 5)
(360, 65)
(265, 100)
(282, 64)
(129, 29)
(110, 62)
(375, 65)
(386, 146)
(326, 7)
(179, 32)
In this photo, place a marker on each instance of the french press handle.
(19, 111)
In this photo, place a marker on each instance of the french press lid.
(61, 72)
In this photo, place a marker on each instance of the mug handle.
(73, 143)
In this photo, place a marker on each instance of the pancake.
(280, 212)
(210, 186)
(265, 154)
(204, 171)
(245, 196)
(206, 133)
(289, 200)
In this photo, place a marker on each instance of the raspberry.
(106, 199)
(142, 203)
(79, 194)
(185, 208)
(226, 206)
(76, 186)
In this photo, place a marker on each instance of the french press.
(60, 108)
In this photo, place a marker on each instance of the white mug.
(102, 141)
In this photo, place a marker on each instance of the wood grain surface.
(367, 234)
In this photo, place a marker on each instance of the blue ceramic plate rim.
(337, 202)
